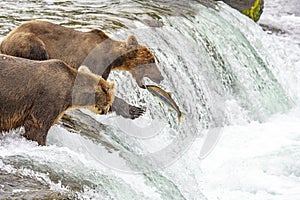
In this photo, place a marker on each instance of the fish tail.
(180, 116)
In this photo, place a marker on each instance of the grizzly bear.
(40, 40)
(35, 94)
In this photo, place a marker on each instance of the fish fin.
(171, 110)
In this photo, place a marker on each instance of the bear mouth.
(142, 82)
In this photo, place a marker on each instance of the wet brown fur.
(40, 40)
(34, 94)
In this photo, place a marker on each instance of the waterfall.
(215, 61)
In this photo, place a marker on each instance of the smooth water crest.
(224, 72)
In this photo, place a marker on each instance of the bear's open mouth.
(142, 83)
(146, 79)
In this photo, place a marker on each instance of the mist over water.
(236, 84)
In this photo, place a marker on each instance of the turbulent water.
(236, 83)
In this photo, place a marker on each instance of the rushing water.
(228, 76)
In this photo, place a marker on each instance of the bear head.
(129, 56)
(104, 96)
(139, 61)
(92, 92)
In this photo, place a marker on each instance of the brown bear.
(40, 40)
(35, 94)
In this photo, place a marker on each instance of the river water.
(235, 80)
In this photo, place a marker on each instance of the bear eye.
(151, 60)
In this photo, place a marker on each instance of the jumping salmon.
(166, 98)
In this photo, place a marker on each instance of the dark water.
(106, 15)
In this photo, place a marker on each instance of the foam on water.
(256, 161)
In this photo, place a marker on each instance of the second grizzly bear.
(35, 94)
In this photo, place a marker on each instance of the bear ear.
(132, 41)
(112, 85)
(84, 68)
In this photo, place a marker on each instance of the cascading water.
(215, 61)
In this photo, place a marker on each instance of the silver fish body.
(166, 98)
